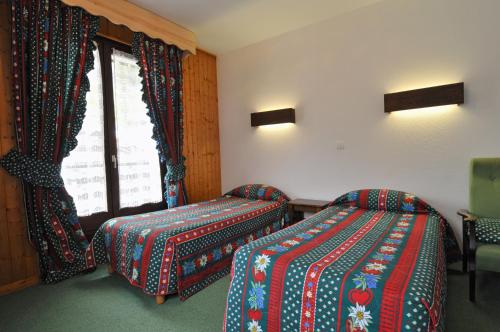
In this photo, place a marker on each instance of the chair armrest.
(466, 215)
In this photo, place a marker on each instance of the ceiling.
(225, 25)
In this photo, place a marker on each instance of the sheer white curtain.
(138, 164)
(139, 176)
(84, 172)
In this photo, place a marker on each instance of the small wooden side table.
(297, 207)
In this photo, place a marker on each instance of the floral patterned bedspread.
(375, 260)
(185, 249)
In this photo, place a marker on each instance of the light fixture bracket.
(285, 115)
(449, 94)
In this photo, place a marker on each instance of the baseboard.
(18, 285)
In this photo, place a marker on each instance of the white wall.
(335, 74)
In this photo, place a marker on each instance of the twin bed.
(373, 260)
(185, 249)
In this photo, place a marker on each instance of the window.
(138, 164)
(115, 169)
(84, 171)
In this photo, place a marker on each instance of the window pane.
(84, 171)
(138, 164)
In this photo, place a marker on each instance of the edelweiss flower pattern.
(228, 248)
(254, 326)
(215, 255)
(183, 249)
(343, 268)
(262, 262)
(360, 317)
(361, 295)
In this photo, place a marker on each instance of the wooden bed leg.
(110, 269)
(160, 299)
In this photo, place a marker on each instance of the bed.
(373, 260)
(185, 249)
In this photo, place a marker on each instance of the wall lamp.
(449, 94)
(286, 115)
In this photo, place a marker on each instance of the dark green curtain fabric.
(52, 53)
(161, 72)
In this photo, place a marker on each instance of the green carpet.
(101, 302)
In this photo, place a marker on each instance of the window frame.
(90, 224)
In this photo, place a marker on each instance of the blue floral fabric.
(346, 268)
(400, 202)
(52, 54)
(385, 200)
(184, 249)
(161, 71)
(259, 191)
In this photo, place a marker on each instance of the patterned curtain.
(52, 54)
(161, 72)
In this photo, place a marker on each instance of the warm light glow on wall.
(437, 111)
(279, 126)
(418, 84)
(276, 135)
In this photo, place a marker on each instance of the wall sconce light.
(428, 97)
(286, 115)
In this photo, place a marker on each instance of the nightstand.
(297, 207)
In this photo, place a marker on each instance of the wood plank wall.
(201, 127)
(18, 261)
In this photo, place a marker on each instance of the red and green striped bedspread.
(374, 261)
(185, 249)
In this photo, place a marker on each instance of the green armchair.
(481, 225)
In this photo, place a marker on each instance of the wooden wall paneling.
(214, 107)
(194, 188)
(119, 33)
(18, 260)
(201, 127)
(188, 119)
(18, 285)
(204, 124)
(210, 95)
(6, 132)
(209, 87)
(200, 137)
(5, 259)
(207, 137)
